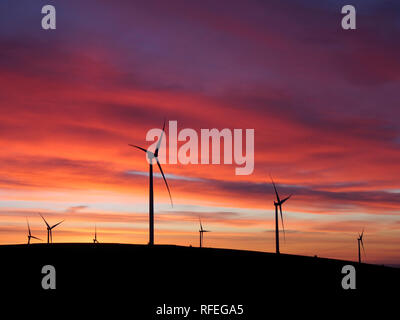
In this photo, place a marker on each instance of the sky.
(323, 102)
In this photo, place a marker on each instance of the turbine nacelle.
(150, 156)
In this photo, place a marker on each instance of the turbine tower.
(360, 241)
(50, 229)
(153, 156)
(278, 204)
(201, 231)
(95, 235)
(30, 236)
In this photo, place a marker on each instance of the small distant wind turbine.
(95, 235)
(50, 229)
(30, 236)
(278, 204)
(151, 156)
(360, 241)
(201, 231)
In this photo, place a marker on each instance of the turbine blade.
(201, 226)
(140, 148)
(36, 238)
(159, 141)
(276, 192)
(57, 224)
(44, 221)
(165, 180)
(362, 244)
(283, 227)
(287, 198)
(29, 229)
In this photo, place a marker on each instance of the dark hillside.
(141, 278)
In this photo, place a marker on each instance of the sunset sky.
(324, 103)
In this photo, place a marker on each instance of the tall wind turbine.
(201, 231)
(360, 241)
(153, 156)
(95, 235)
(30, 236)
(278, 204)
(50, 229)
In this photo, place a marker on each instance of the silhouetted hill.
(140, 277)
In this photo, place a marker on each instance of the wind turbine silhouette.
(278, 204)
(50, 229)
(30, 236)
(151, 156)
(95, 235)
(201, 231)
(360, 241)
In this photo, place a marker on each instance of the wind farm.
(199, 154)
(232, 273)
(153, 157)
(65, 152)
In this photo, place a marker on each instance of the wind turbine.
(278, 204)
(95, 235)
(30, 236)
(50, 229)
(360, 241)
(151, 156)
(201, 231)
